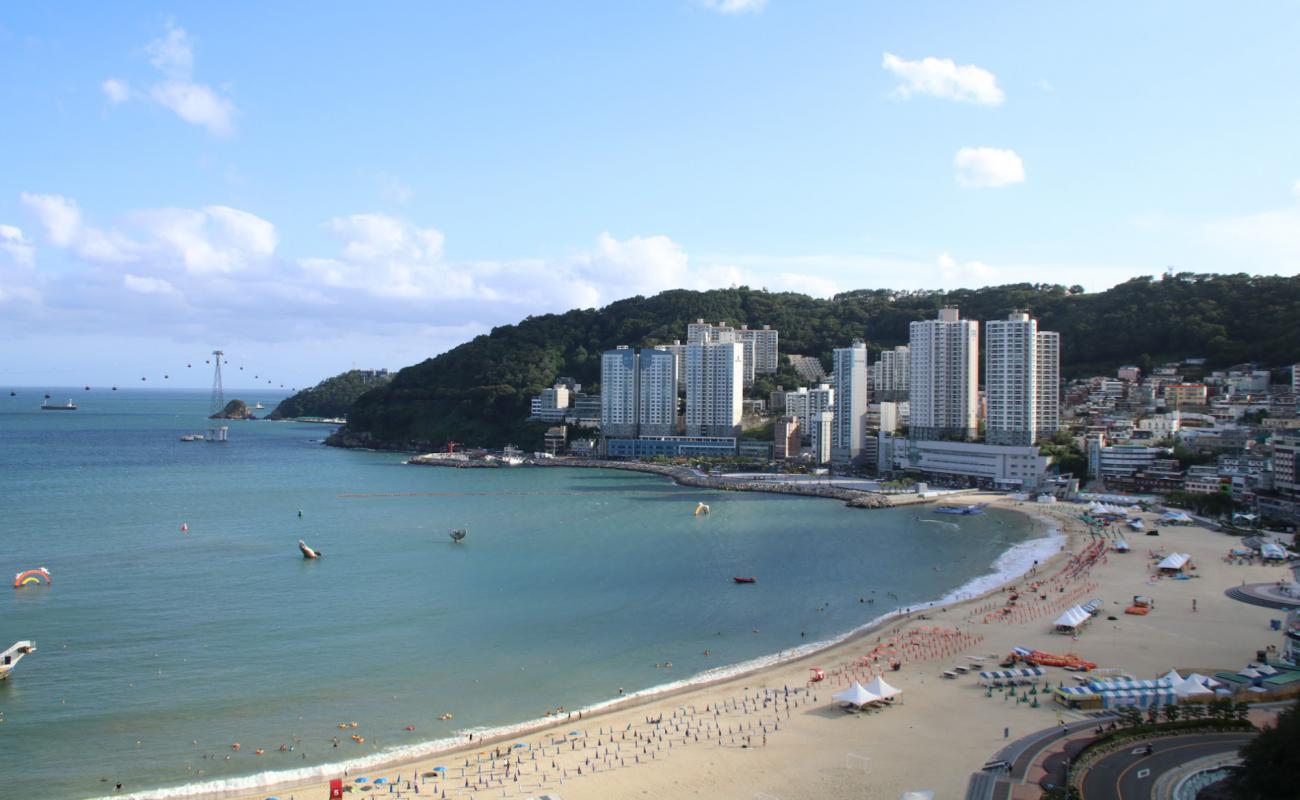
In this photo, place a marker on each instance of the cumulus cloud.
(983, 167)
(734, 6)
(140, 285)
(115, 90)
(966, 273)
(172, 54)
(941, 77)
(17, 266)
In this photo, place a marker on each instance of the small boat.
(974, 508)
(259, 405)
(69, 406)
(192, 437)
(750, 579)
(458, 535)
(10, 658)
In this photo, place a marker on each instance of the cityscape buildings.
(849, 371)
(944, 363)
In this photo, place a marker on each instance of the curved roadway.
(1128, 775)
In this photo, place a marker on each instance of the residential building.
(1048, 365)
(891, 375)
(1162, 426)
(678, 349)
(552, 405)
(657, 392)
(822, 425)
(1126, 459)
(808, 368)
(764, 345)
(761, 344)
(786, 438)
(618, 392)
(890, 417)
(944, 363)
(714, 388)
(585, 411)
(806, 404)
(1180, 394)
(1295, 378)
(1129, 373)
(1011, 380)
(850, 424)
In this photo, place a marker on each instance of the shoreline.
(1048, 541)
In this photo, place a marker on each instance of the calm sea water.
(158, 647)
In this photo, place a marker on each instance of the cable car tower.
(217, 432)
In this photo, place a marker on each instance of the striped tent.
(1012, 675)
(1138, 699)
(1119, 685)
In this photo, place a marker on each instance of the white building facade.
(715, 377)
(944, 363)
(657, 392)
(1011, 380)
(806, 404)
(891, 375)
(849, 370)
(1048, 364)
(618, 392)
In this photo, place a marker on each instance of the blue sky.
(312, 186)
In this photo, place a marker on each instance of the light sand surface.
(942, 730)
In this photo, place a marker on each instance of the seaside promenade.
(772, 734)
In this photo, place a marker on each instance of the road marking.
(1144, 773)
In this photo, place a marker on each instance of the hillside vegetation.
(478, 393)
(331, 397)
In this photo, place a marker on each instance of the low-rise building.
(997, 466)
(671, 447)
(1126, 459)
(786, 438)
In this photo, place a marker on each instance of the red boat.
(745, 580)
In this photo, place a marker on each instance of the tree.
(1153, 714)
(1170, 712)
(1130, 717)
(1270, 761)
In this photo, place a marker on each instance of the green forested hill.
(331, 397)
(478, 393)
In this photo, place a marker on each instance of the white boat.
(10, 658)
(259, 405)
(192, 437)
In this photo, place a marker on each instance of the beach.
(763, 735)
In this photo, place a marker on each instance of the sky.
(316, 186)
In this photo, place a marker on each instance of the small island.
(235, 409)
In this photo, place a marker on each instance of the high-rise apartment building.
(618, 392)
(891, 375)
(657, 392)
(786, 438)
(1049, 384)
(806, 404)
(849, 368)
(638, 392)
(944, 364)
(761, 345)
(1011, 380)
(714, 388)
(823, 425)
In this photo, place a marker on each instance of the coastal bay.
(160, 649)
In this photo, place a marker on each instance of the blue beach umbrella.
(361, 780)
(381, 780)
(439, 769)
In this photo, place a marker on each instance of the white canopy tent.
(884, 690)
(1191, 688)
(1206, 681)
(1073, 619)
(856, 695)
(1174, 561)
(1172, 675)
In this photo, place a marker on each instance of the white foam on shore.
(1010, 565)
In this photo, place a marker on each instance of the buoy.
(185, 528)
(300, 512)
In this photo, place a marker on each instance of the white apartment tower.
(807, 403)
(761, 344)
(1022, 369)
(944, 372)
(657, 392)
(714, 388)
(849, 367)
(891, 375)
(618, 392)
(823, 426)
(1011, 380)
(1049, 384)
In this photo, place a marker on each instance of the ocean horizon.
(159, 648)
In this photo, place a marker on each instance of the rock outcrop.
(235, 409)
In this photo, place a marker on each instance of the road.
(1128, 775)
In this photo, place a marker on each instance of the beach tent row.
(1121, 685)
(1138, 699)
(1176, 518)
(1075, 617)
(1025, 675)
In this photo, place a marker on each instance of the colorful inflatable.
(37, 577)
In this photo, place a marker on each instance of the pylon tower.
(217, 433)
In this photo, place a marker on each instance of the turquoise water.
(158, 647)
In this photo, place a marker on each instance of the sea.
(181, 617)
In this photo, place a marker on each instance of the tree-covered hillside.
(331, 397)
(478, 393)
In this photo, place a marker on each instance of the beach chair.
(950, 674)
(961, 670)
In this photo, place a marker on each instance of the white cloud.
(388, 257)
(981, 167)
(172, 53)
(115, 90)
(734, 6)
(140, 285)
(941, 77)
(196, 104)
(1045, 85)
(16, 247)
(58, 214)
(17, 267)
(1295, 190)
(214, 239)
(966, 274)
